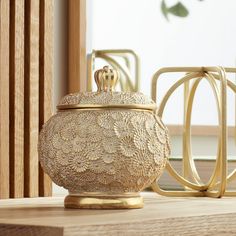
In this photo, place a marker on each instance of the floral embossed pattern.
(103, 150)
(105, 98)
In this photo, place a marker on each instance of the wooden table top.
(160, 216)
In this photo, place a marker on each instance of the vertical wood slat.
(77, 63)
(4, 98)
(31, 97)
(17, 98)
(45, 80)
(25, 94)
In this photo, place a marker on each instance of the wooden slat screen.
(4, 99)
(16, 98)
(77, 63)
(26, 66)
(31, 97)
(45, 79)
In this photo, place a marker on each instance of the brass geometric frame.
(216, 186)
(110, 56)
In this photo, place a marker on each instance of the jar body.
(106, 151)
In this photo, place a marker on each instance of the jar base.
(103, 201)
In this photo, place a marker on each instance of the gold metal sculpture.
(128, 82)
(105, 146)
(106, 79)
(193, 184)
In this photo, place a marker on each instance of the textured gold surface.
(105, 141)
(105, 98)
(103, 202)
(194, 186)
(104, 150)
(106, 79)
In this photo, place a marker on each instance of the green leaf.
(164, 9)
(178, 10)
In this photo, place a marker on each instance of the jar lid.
(105, 97)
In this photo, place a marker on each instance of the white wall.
(206, 37)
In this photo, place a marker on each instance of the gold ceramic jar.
(105, 146)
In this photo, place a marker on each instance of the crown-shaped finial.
(106, 79)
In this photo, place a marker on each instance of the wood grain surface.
(16, 98)
(45, 80)
(4, 98)
(160, 216)
(77, 63)
(26, 76)
(31, 98)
